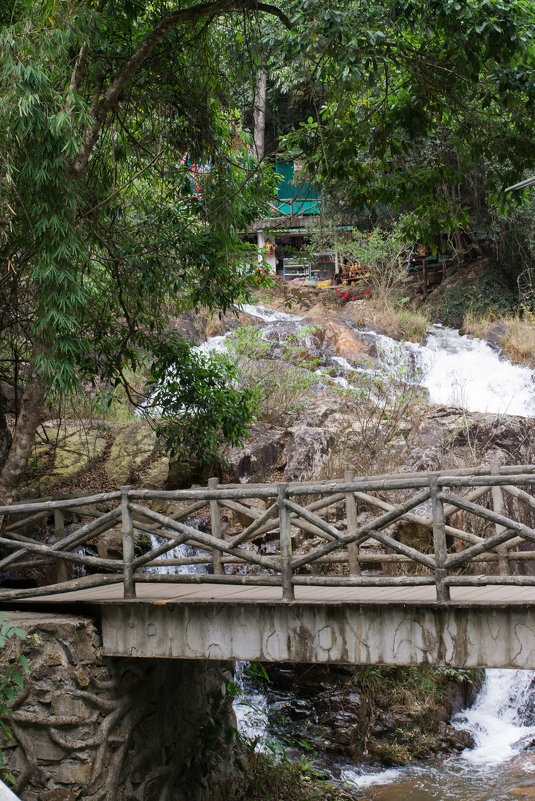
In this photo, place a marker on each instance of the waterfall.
(269, 315)
(250, 708)
(178, 552)
(499, 718)
(465, 372)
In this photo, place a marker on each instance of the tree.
(126, 174)
(422, 106)
(125, 180)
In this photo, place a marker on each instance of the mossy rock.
(70, 449)
(133, 445)
(156, 474)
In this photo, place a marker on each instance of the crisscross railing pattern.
(332, 533)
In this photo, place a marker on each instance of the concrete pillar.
(261, 244)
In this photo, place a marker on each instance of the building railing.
(327, 533)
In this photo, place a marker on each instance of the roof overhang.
(522, 184)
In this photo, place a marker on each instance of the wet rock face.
(336, 710)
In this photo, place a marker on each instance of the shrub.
(265, 368)
(516, 335)
(383, 404)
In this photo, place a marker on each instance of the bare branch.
(121, 80)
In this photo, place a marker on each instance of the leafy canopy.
(414, 101)
(121, 210)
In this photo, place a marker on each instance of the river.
(467, 373)
(500, 767)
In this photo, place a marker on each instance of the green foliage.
(414, 101)
(11, 683)
(95, 259)
(376, 248)
(270, 781)
(485, 292)
(416, 685)
(198, 399)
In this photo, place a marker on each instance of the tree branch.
(151, 163)
(121, 80)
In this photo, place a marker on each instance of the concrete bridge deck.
(487, 626)
(333, 586)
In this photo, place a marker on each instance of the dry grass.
(514, 334)
(519, 340)
(381, 314)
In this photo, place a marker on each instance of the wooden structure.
(353, 272)
(336, 534)
(425, 270)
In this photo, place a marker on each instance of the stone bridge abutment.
(88, 727)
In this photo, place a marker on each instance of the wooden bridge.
(314, 572)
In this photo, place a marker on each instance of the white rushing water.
(496, 718)
(456, 370)
(269, 315)
(502, 725)
(464, 372)
(251, 708)
(178, 552)
(467, 373)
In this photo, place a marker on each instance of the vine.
(11, 683)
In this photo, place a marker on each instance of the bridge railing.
(470, 524)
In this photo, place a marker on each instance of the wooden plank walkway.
(338, 558)
(153, 593)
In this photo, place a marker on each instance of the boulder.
(67, 452)
(133, 445)
(75, 450)
(415, 535)
(259, 457)
(156, 474)
(307, 452)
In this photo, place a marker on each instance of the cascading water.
(250, 708)
(464, 372)
(498, 768)
(269, 315)
(498, 718)
(178, 552)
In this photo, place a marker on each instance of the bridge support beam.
(451, 635)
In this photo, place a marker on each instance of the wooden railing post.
(351, 513)
(128, 545)
(504, 568)
(439, 541)
(286, 545)
(59, 531)
(215, 517)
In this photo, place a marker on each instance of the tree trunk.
(23, 438)
(5, 434)
(260, 113)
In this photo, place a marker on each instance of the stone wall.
(99, 729)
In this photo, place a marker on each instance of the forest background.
(105, 234)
